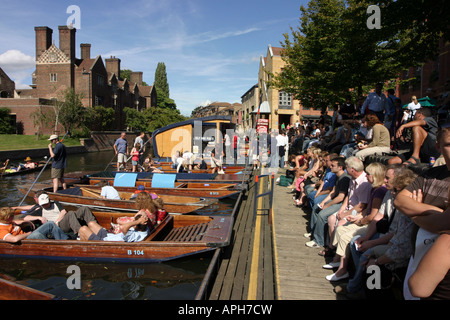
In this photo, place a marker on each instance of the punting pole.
(43, 168)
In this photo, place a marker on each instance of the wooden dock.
(267, 258)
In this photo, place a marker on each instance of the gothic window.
(53, 77)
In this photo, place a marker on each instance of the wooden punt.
(176, 237)
(76, 196)
(25, 171)
(10, 290)
(201, 190)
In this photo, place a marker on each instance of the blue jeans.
(356, 284)
(321, 222)
(48, 230)
(313, 200)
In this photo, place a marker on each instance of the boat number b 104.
(135, 252)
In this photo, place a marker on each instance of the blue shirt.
(121, 145)
(329, 180)
(59, 160)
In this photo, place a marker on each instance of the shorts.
(57, 173)
(134, 163)
(427, 150)
(102, 233)
(121, 157)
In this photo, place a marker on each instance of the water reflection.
(179, 279)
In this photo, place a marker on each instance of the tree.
(135, 119)
(333, 50)
(5, 121)
(72, 112)
(161, 79)
(99, 118)
(160, 117)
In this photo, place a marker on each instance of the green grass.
(20, 142)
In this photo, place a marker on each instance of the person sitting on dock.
(13, 231)
(424, 130)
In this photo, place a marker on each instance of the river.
(174, 280)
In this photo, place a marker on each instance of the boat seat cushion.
(163, 180)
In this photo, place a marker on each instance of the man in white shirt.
(376, 102)
(282, 145)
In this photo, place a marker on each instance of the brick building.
(430, 80)
(98, 82)
(7, 86)
(275, 105)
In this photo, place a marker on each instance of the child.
(135, 156)
(11, 231)
(161, 213)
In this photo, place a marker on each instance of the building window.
(284, 100)
(100, 80)
(53, 77)
(98, 101)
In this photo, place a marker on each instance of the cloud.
(18, 66)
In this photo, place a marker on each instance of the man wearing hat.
(59, 162)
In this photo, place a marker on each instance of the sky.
(211, 48)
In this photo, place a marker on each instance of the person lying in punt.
(132, 231)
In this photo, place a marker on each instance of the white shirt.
(282, 140)
(414, 107)
(110, 193)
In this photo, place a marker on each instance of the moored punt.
(76, 196)
(176, 237)
(10, 290)
(183, 190)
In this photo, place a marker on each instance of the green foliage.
(333, 51)
(161, 79)
(5, 121)
(160, 117)
(72, 113)
(163, 101)
(100, 118)
(152, 118)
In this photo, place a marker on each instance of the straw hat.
(27, 159)
(53, 137)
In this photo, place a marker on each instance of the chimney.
(43, 40)
(67, 41)
(85, 51)
(136, 77)
(113, 66)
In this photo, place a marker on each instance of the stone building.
(98, 82)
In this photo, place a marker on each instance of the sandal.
(412, 164)
(327, 252)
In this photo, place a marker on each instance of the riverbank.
(99, 141)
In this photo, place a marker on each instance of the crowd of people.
(383, 213)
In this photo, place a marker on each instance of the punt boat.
(80, 196)
(176, 237)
